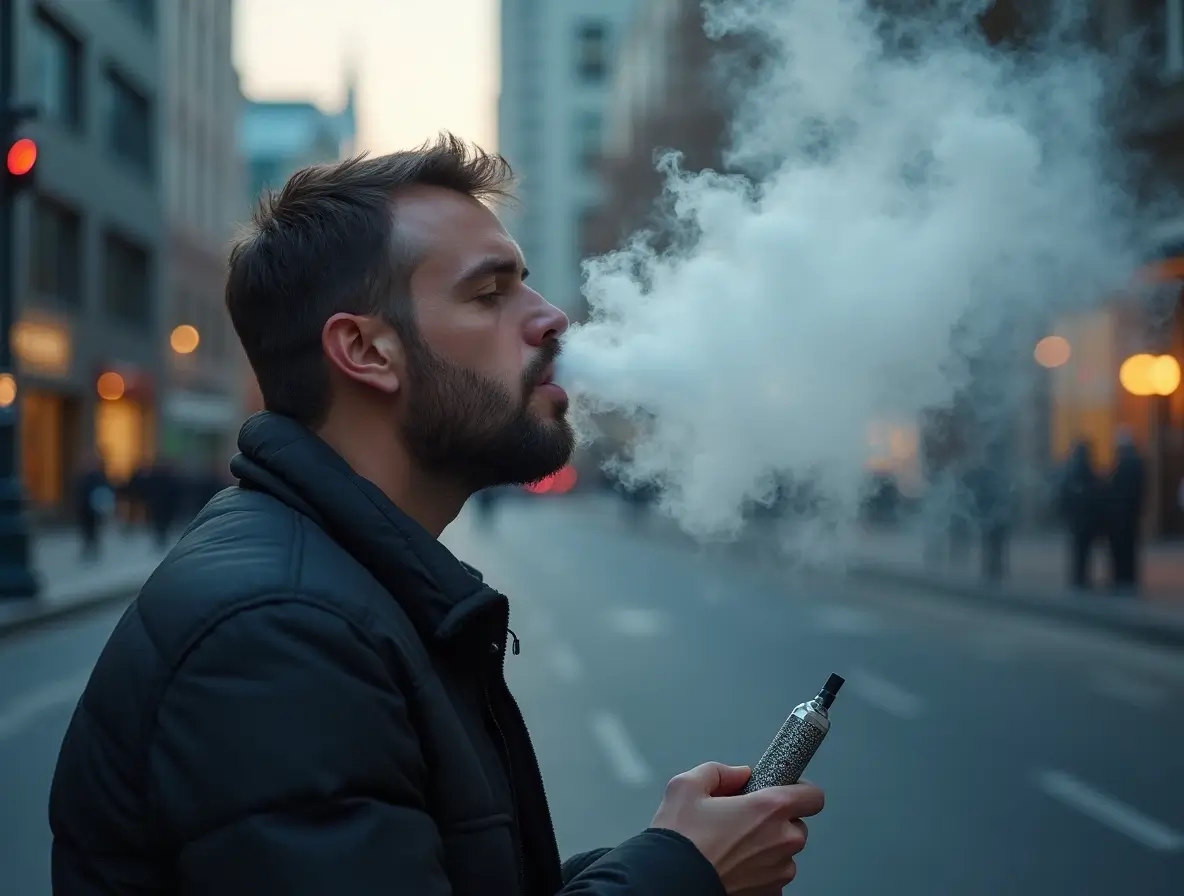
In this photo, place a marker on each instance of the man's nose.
(546, 324)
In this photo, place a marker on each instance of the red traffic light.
(22, 156)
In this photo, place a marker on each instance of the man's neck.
(380, 458)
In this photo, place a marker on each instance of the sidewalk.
(1036, 581)
(70, 585)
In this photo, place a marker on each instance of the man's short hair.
(328, 243)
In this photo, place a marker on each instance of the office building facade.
(89, 336)
(204, 203)
(558, 62)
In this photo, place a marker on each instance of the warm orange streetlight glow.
(7, 390)
(1052, 351)
(1165, 375)
(184, 339)
(110, 386)
(1150, 374)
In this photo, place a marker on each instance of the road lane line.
(618, 748)
(998, 646)
(842, 620)
(23, 712)
(1106, 810)
(636, 622)
(565, 662)
(883, 694)
(1127, 688)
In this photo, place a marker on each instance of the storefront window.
(123, 433)
(45, 423)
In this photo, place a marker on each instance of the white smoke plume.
(912, 182)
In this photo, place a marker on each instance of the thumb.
(717, 779)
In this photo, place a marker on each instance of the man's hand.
(750, 839)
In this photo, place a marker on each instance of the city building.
(204, 202)
(557, 71)
(276, 139)
(665, 56)
(89, 336)
(279, 137)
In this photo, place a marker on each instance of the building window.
(127, 288)
(128, 118)
(57, 68)
(1162, 23)
(592, 52)
(589, 129)
(56, 262)
(143, 11)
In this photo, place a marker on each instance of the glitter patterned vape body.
(795, 744)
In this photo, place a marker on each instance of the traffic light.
(20, 152)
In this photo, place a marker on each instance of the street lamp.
(184, 339)
(1145, 375)
(110, 386)
(1052, 351)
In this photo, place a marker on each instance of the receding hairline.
(407, 243)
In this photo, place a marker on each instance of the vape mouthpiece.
(830, 690)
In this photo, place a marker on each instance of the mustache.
(546, 356)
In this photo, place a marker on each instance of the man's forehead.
(452, 230)
(434, 210)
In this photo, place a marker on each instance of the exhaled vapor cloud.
(913, 184)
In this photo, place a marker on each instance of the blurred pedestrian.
(990, 489)
(1081, 506)
(94, 501)
(136, 492)
(164, 496)
(308, 695)
(1126, 498)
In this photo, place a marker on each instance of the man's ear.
(365, 350)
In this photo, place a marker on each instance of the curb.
(1110, 614)
(37, 613)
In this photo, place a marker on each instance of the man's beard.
(460, 424)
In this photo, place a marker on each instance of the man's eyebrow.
(491, 266)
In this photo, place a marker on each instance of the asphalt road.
(972, 752)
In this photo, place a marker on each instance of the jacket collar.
(441, 595)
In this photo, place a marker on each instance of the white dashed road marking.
(1107, 810)
(877, 691)
(565, 662)
(636, 622)
(622, 755)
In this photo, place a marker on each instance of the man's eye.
(490, 297)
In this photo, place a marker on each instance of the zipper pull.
(515, 645)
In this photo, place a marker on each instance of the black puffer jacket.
(307, 697)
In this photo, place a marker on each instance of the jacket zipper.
(510, 777)
(534, 764)
(534, 760)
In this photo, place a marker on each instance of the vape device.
(797, 741)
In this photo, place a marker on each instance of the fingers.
(788, 873)
(802, 800)
(712, 779)
(796, 836)
(792, 801)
